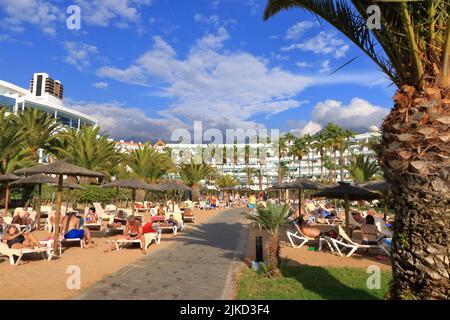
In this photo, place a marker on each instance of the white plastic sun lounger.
(298, 235)
(344, 241)
(19, 253)
(149, 237)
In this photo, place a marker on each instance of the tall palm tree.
(412, 48)
(298, 151)
(307, 138)
(282, 172)
(342, 145)
(272, 218)
(40, 129)
(192, 174)
(289, 137)
(362, 168)
(320, 147)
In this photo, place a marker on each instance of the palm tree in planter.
(272, 218)
(363, 168)
(412, 47)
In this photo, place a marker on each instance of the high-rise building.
(45, 94)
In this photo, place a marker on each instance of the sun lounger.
(149, 237)
(383, 228)
(19, 253)
(298, 235)
(62, 241)
(100, 212)
(177, 216)
(344, 241)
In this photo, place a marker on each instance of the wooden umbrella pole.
(173, 201)
(385, 205)
(347, 215)
(7, 199)
(117, 199)
(58, 213)
(134, 199)
(299, 202)
(38, 207)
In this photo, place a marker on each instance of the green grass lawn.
(312, 283)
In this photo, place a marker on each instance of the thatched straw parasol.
(134, 184)
(381, 186)
(301, 184)
(60, 168)
(174, 186)
(347, 192)
(7, 178)
(39, 180)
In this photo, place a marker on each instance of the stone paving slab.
(196, 266)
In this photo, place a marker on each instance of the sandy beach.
(40, 279)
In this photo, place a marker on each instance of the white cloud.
(359, 113)
(213, 20)
(295, 31)
(126, 123)
(325, 67)
(101, 85)
(35, 12)
(214, 4)
(120, 13)
(212, 85)
(79, 54)
(323, 43)
(303, 64)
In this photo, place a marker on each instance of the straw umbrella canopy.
(39, 180)
(7, 178)
(301, 184)
(133, 184)
(347, 192)
(60, 168)
(381, 186)
(174, 186)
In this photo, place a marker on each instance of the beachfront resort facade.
(309, 167)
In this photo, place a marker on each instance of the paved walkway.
(198, 265)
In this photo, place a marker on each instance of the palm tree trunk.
(273, 256)
(195, 191)
(419, 174)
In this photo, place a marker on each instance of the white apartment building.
(309, 167)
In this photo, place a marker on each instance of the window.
(39, 86)
(7, 103)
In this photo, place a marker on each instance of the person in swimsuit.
(172, 221)
(71, 229)
(133, 230)
(91, 216)
(16, 239)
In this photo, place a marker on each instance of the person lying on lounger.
(71, 229)
(16, 239)
(23, 218)
(172, 221)
(91, 217)
(306, 229)
(133, 230)
(369, 231)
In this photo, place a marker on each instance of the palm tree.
(282, 172)
(308, 139)
(342, 145)
(40, 129)
(412, 48)
(319, 147)
(227, 180)
(249, 173)
(87, 148)
(13, 153)
(148, 164)
(192, 174)
(362, 168)
(298, 151)
(272, 218)
(289, 137)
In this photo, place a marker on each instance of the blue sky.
(144, 68)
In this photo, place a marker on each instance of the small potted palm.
(272, 218)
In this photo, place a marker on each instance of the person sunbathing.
(369, 231)
(133, 230)
(91, 217)
(358, 217)
(172, 221)
(71, 229)
(306, 229)
(161, 211)
(16, 239)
